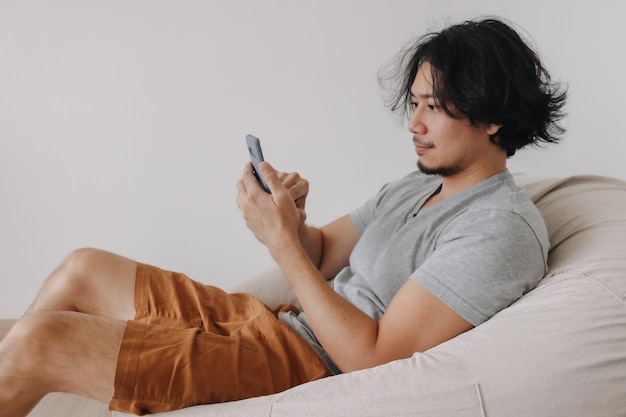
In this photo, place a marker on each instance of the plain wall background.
(122, 121)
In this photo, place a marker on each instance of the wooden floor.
(62, 405)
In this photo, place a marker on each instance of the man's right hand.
(298, 188)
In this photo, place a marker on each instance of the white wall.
(122, 122)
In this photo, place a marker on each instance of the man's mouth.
(421, 147)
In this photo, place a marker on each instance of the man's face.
(446, 146)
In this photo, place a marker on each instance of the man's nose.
(416, 123)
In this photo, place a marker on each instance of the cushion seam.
(589, 277)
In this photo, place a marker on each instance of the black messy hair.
(484, 71)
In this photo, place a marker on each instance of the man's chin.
(442, 171)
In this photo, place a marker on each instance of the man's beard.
(442, 171)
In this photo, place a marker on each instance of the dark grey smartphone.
(256, 156)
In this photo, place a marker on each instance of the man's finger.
(270, 176)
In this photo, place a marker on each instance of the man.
(429, 257)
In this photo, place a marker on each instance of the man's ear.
(493, 129)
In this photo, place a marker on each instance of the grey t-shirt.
(478, 250)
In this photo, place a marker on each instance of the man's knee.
(77, 265)
(70, 281)
(81, 260)
(94, 281)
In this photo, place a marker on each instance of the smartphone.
(256, 156)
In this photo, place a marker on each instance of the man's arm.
(415, 320)
(330, 247)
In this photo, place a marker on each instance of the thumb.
(270, 176)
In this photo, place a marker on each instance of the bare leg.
(57, 351)
(69, 338)
(91, 281)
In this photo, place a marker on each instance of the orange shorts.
(194, 344)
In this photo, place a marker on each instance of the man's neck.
(452, 184)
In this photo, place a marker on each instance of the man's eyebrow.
(423, 95)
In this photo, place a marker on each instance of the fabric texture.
(558, 351)
(194, 344)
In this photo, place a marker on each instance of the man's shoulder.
(508, 196)
(499, 202)
(503, 208)
(497, 192)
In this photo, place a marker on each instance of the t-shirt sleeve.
(484, 260)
